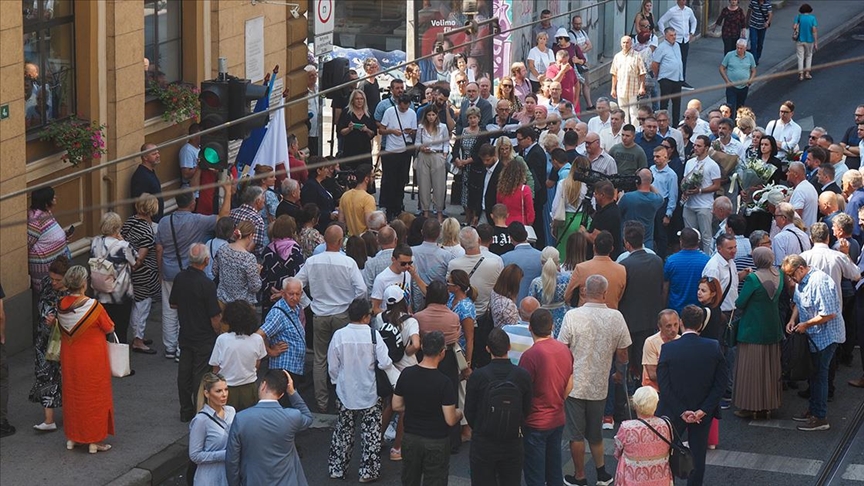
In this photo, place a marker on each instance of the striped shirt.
(520, 340)
(759, 13)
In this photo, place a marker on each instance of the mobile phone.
(70, 231)
(358, 126)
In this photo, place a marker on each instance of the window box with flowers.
(81, 139)
(180, 100)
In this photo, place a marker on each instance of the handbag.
(382, 384)
(52, 352)
(461, 361)
(800, 364)
(118, 355)
(680, 457)
(796, 32)
(730, 332)
(532, 235)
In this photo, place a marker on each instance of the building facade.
(97, 60)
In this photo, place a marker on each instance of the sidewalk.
(150, 441)
(778, 53)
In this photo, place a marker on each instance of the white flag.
(274, 146)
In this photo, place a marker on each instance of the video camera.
(346, 179)
(591, 177)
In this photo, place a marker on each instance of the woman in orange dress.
(88, 408)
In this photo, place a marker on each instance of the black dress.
(356, 142)
(47, 389)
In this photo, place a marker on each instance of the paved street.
(750, 453)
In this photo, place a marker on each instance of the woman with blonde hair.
(139, 231)
(539, 58)
(515, 194)
(568, 207)
(112, 248)
(88, 409)
(450, 237)
(642, 445)
(506, 154)
(208, 431)
(357, 129)
(237, 268)
(433, 137)
(550, 286)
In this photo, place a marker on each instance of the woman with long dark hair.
(502, 302)
(46, 240)
(238, 352)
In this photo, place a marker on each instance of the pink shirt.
(568, 82)
(520, 205)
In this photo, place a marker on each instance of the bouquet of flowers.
(772, 194)
(693, 180)
(751, 173)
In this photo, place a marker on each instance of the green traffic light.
(211, 155)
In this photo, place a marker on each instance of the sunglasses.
(461, 81)
(569, 129)
(405, 264)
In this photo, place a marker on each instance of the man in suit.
(489, 157)
(643, 295)
(535, 158)
(524, 255)
(692, 376)
(472, 98)
(261, 446)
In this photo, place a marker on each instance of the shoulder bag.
(382, 384)
(176, 248)
(796, 29)
(680, 457)
(118, 355)
(532, 235)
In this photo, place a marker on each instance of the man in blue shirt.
(738, 69)
(683, 270)
(818, 314)
(283, 333)
(666, 184)
(642, 205)
(669, 70)
(648, 138)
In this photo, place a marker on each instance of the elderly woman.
(237, 268)
(758, 386)
(540, 57)
(465, 157)
(223, 235)
(643, 455)
(502, 303)
(46, 240)
(208, 431)
(112, 248)
(46, 389)
(138, 230)
(550, 286)
(282, 258)
(309, 237)
(88, 409)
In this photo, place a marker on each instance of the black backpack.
(502, 410)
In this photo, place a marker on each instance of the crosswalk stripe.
(775, 424)
(764, 462)
(855, 472)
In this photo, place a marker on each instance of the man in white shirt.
(699, 200)
(730, 145)
(611, 135)
(482, 272)
(600, 160)
(785, 131)
(602, 120)
(486, 91)
(681, 18)
(402, 273)
(836, 264)
(386, 242)
(312, 107)
(804, 198)
(699, 126)
(722, 267)
(789, 240)
(398, 126)
(334, 282)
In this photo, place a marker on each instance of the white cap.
(393, 294)
(562, 32)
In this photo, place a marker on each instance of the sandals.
(94, 448)
(395, 454)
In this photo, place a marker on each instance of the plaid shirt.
(627, 68)
(816, 296)
(283, 325)
(248, 213)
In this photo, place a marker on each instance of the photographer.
(398, 126)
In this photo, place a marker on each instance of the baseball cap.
(393, 294)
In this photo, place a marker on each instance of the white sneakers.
(46, 427)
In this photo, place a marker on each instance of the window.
(162, 43)
(49, 61)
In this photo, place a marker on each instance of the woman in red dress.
(88, 408)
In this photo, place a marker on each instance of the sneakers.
(6, 429)
(686, 87)
(395, 454)
(572, 481)
(608, 422)
(368, 479)
(802, 417)
(604, 478)
(46, 427)
(725, 404)
(815, 424)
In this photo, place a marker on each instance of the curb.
(157, 468)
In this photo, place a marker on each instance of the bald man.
(642, 205)
(334, 281)
(519, 334)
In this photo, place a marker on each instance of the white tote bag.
(118, 355)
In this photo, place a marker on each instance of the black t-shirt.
(501, 243)
(145, 180)
(372, 92)
(195, 297)
(425, 391)
(608, 218)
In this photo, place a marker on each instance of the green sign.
(4, 112)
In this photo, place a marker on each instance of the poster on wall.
(435, 17)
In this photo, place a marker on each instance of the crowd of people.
(621, 261)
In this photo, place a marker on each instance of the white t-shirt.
(541, 61)
(804, 197)
(710, 171)
(236, 356)
(387, 278)
(396, 143)
(410, 327)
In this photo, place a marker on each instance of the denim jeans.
(736, 97)
(542, 456)
(757, 38)
(819, 381)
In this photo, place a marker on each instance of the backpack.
(392, 338)
(103, 277)
(502, 411)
